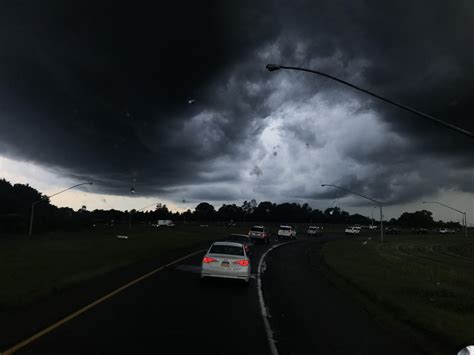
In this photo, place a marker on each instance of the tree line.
(16, 200)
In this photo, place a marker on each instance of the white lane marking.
(265, 313)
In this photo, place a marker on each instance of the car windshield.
(226, 249)
(285, 228)
(257, 229)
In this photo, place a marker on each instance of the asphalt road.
(172, 312)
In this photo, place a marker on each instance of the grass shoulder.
(420, 285)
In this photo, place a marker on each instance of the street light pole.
(372, 215)
(274, 67)
(454, 209)
(47, 197)
(367, 198)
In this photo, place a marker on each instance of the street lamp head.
(90, 183)
(323, 185)
(273, 67)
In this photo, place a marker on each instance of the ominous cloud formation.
(175, 100)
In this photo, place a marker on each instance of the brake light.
(208, 260)
(242, 262)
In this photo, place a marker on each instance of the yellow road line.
(89, 306)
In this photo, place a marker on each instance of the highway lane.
(171, 312)
(310, 316)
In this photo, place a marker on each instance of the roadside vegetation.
(425, 282)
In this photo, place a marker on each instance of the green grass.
(424, 282)
(34, 268)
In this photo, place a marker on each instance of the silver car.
(226, 260)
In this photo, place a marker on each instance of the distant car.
(446, 231)
(315, 231)
(352, 230)
(260, 233)
(243, 239)
(287, 232)
(164, 223)
(372, 227)
(392, 230)
(226, 260)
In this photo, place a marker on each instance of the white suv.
(259, 233)
(287, 232)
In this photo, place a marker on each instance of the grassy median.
(425, 282)
(32, 268)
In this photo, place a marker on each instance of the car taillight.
(208, 260)
(242, 262)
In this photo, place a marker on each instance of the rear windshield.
(226, 249)
(238, 238)
(257, 229)
(313, 227)
(285, 228)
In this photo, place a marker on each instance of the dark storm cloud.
(101, 91)
(419, 53)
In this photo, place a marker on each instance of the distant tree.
(204, 211)
(317, 216)
(264, 212)
(229, 213)
(16, 200)
(335, 215)
(162, 212)
(359, 219)
(248, 208)
(393, 222)
(187, 216)
(416, 219)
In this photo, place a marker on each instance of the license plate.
(225, 264)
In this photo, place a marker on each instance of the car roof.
(233, 244)
(258, 226)
(285, 225)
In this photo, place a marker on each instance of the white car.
(260, 233)
(315, 230)
(287, 232)
(226, 260)
(352, 230)
(446, 231)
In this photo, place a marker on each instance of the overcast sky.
(174, 101)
